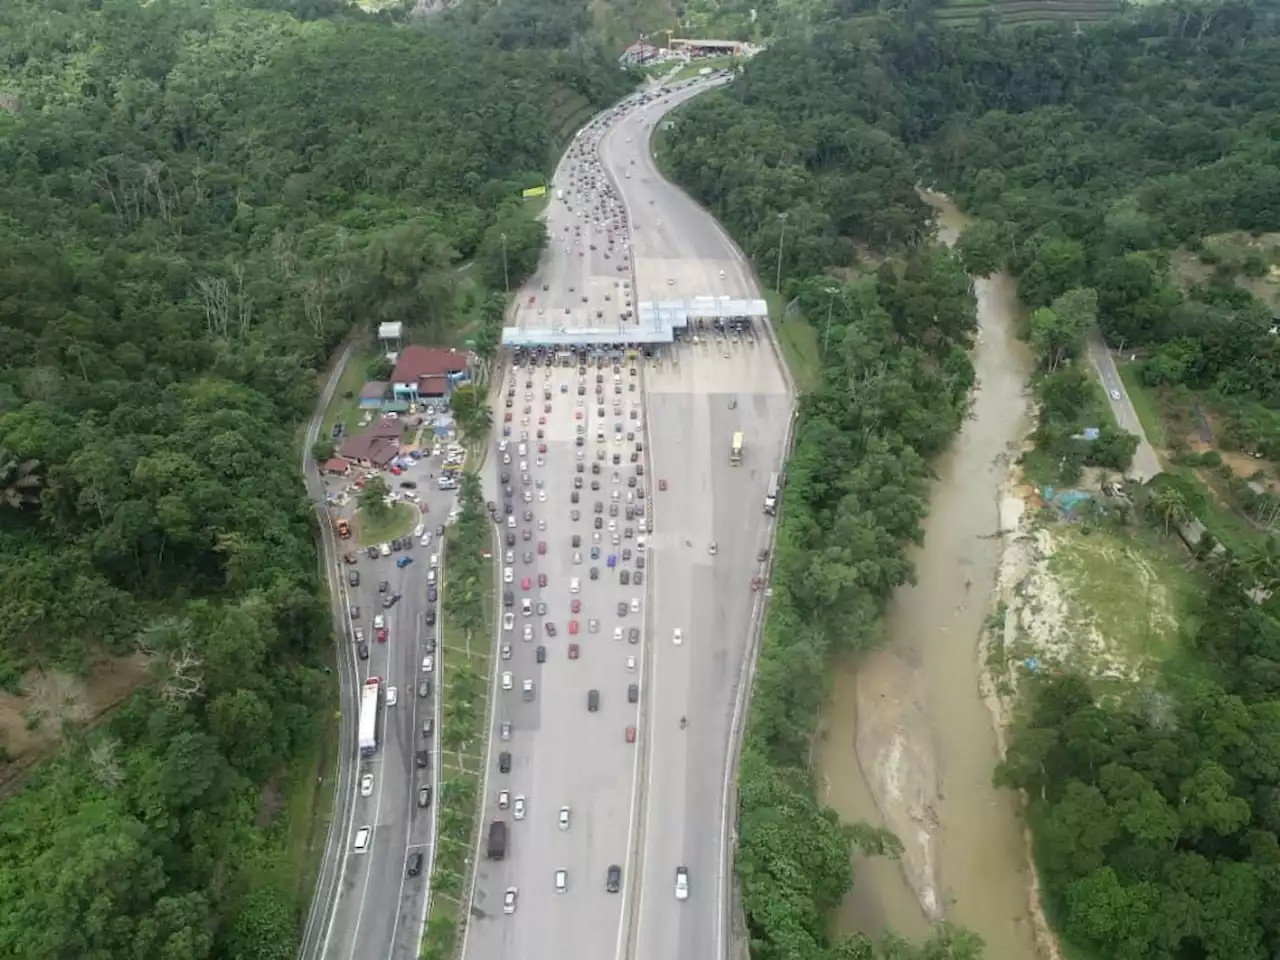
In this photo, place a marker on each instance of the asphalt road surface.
(377, 910)
(562, 754)
(1145, 462)
(657, 804)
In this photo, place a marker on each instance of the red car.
(631, 734)
(575, 605)
(573, 628)
(542, 579)
(526, 584)
(577, 415)
(542, 420)
(542, 546)
(382, 634)
(507, 416)
(549, 629)
(542, 448)
(573, 651)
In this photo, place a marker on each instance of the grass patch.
(397, 522)
(309, 802)
(1145, 403)
(799, 342)
(1228, 527)
(468, 605)
(1133, 591)
(692, 69)
(344, 408)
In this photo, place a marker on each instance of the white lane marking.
(354, 767)
(408, 820)
(368, 873)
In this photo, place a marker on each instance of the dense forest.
(1089, 157)
(200, 201)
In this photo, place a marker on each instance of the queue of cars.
(604, 535)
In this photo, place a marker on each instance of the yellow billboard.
(533, 192)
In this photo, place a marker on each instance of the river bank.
(908, 740)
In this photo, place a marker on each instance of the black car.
(541, 654)
(624, 577)
(424, 688)
(633, 693)
(424, 796)
(383, 586)
(577, 540)
(622, 608)
(396, 544)
(573, 496)
(362, 651)
(508, 598)
(373, 553)
(355, 612)
(504, 762)
(431, 615)
(595, 573)
(414, 866)
(511, 538)
(593, 700)
(408, 484)
(353, 578)
(429, 645)
(613, 879)
(637, 578)
(422, 758)
(633, 635)
(599, 523)
(432, 594)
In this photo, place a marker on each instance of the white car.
(635, 604)
(425, 541)
(528, 497)
(366, 785)
(542, 496)
(508, 620)
(362, 839)
(419, 530)
(391, 696)
(562, 881)
(428, 663)
(504, 799)
(506, 459)
(385, 549)
(518, 810)
(540, 461)
(379, 621)
(617, 633)
(504, 730)
(1115, 394)
(682, 883)
(564, 818)
(527, 689)
(509, 900)
(677, 636)
(528, 632)
(508, 574)
(506, 651)
(511, 522)
(507, 682)
(631, 664)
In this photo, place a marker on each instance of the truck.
(771, 495)
(497, 847)
(344, 529)
(369, 716)
(735, 451)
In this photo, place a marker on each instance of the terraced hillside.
(971, 12)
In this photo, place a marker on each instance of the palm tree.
(20, 481)
(1170, 506)
(1263, 564)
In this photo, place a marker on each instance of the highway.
(365, 906)
(1146, 464)
(660, 803)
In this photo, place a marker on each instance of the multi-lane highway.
(366, 905)
(660, 803)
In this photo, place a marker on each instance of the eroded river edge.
(907, 740)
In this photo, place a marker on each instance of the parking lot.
(574, 571)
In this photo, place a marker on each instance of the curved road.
(660, 803)
(364, 905)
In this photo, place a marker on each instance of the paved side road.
(1145, 462)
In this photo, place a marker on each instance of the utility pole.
(781, 235)
(506, 277)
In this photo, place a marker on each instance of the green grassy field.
(969, 13)
(397, 522)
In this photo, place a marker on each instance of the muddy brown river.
(907, 741)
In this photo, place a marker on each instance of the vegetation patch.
(226, 194)
(467, 628)
(377, 521)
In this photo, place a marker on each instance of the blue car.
(595, 553)
(613, 560)
(404, 562)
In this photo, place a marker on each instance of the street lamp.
(781, 234)
(506, 277)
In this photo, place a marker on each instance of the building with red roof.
(422, 372)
